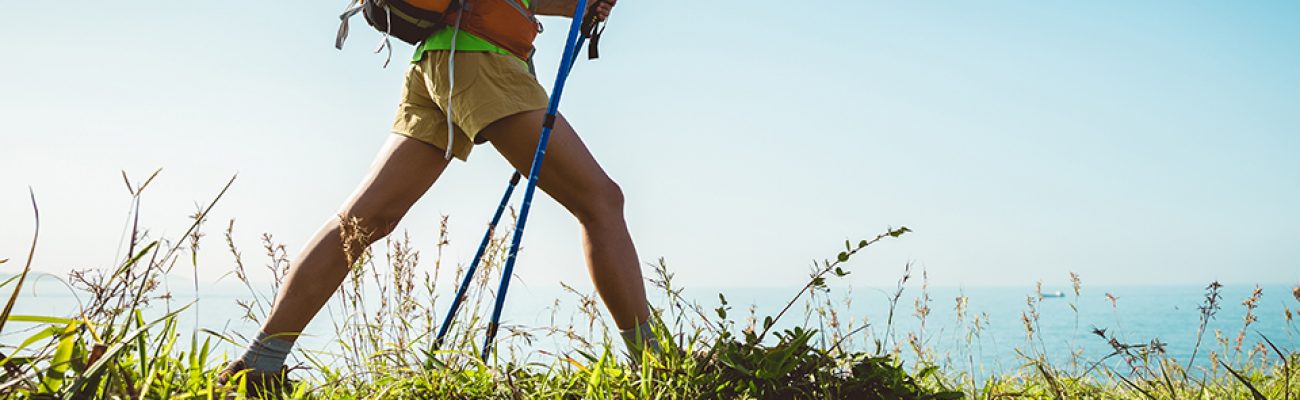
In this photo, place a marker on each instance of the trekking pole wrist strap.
(592, 29)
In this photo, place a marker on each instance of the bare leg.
(404, 169)
(573, 178)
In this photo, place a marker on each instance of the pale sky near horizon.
(1132, 142)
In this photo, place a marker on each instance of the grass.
(384, 319)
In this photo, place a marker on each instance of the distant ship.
(1057, 293)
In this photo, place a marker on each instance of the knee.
(365, 226)
(603, 203)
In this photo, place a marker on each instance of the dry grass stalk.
(1250, 303)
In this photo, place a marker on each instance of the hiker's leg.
(572, 177)
(401, 173)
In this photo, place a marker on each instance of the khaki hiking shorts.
(488, 87)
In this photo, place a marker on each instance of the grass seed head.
(1029, 326)
(1076, 283)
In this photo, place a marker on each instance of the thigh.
(569, 172)
(402, 172)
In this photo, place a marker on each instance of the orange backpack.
(506, 23)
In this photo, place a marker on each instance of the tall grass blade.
(1253, 392)
(62, 357)
(1286, 367)
(36, 234)
(42, 319)
(110, 355)
(40, 335)
(200, 217)
(1169, 383)
(8, 281)
(1051, 381)
(1136, 387)
(134, 260)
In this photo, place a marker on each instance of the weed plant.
(384, 318)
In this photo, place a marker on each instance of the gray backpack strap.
(386, 42)
(354, 7)
(530, 12)
(532, 9)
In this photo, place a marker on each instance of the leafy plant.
(385, 316)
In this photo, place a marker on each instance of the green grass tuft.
(384, 319)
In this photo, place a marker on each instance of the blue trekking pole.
(576, 38)
(473, 266)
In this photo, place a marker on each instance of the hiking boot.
(257, 384)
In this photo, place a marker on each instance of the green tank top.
(465, 41)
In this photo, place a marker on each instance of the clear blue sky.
(1133, 142)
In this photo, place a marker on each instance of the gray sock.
(267, 353)
(639, 338)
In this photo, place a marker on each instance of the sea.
(997, 330)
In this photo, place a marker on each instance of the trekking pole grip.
(592, 28)
(589, 21)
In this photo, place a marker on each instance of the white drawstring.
(451, 79)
